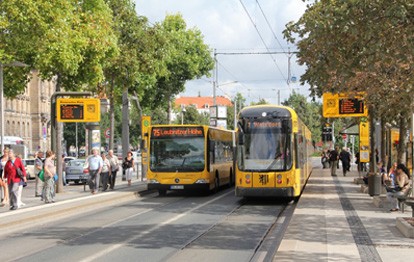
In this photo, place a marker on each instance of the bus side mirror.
(240, 138)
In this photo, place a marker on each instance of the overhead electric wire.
(270, 27)
(261, 38)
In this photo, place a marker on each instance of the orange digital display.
(161, 132)
(351, 106)
(264, 124)
(71, 112)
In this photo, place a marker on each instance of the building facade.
(28, 115)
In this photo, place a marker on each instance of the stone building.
(28, 115)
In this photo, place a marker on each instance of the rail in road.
(177, 227)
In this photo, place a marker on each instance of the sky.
(228, 28)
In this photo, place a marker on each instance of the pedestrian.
(113, 160)
(3, 183)
(64, 170)
(95, 164)
(12, 169)
(129, 167)
(333, 157)
(345, 158)
(50, 171)
(37, 168)
(106, 167)
(402, 184)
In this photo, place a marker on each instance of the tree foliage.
(359, 45)
(309, 112)
(69, 39)
(187, 58)
(190, 115)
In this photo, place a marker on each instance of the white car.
(29, 165)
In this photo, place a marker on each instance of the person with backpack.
(345, 158)
(333, 158)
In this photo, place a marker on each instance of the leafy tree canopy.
(358, 45)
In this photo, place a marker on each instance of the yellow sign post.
(78, 110)
(364, 147)
(343, 105)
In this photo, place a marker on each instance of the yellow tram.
(273, 149)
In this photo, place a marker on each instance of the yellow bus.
(189, 157)
(273, 150)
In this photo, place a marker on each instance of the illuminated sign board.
(344, 105)
(168, 132)
(78, 110)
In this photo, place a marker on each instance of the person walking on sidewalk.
(113, 160)
(402, 184)
(14, 181)
(49, 184)
(105, 171)
(333, 157)
(95, 164)
(129, 167)
(3, 183)
(345, 158)
(37, 168)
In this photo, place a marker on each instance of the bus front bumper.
(264, 192)
(179, 187)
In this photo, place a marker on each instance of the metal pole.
(278, 96)
(235, 114)
(76, 140)
(1, 107)
(215, 78)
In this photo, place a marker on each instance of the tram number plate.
(177, 187)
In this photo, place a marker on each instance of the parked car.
(76, 171)
(67, 159)
(29, 165)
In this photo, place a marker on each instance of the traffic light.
(327, 133)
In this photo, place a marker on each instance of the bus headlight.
(153, 181)
(201, 181)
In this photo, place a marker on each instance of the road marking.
(112, 248)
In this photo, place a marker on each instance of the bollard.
(374, 184)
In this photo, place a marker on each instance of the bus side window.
(296, 151)
(212, 150)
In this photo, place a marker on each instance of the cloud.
(226, 27)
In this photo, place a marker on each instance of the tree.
(238, 100)
(190, 115)
(361, 45)
(261, 101)
(187, 58)
(309, 112)
(67, 39)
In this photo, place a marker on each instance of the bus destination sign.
(351, 106)
(168, 132)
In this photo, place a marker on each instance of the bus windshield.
(177, 154)
(266, 145)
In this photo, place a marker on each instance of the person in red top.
(13, 180)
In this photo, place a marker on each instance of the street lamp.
(15, 64)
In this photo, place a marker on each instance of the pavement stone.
(334, 221)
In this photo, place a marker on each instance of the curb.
(405, 228)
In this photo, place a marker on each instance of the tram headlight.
(153, 181)
(247, 179)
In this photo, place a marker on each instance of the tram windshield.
(177, 153)
(265, 145)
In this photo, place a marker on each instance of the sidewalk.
(334, 221)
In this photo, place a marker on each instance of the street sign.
(78, 110)
(344, 136)
(344, 105)
(145, 123)
(108, 133)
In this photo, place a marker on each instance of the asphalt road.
(178, 227)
